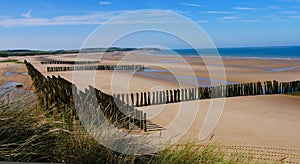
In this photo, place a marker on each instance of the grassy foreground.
(29, 135)
(296, 93)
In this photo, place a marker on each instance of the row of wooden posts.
(57, 93)
(97, 67)
(189, 94)
(69, 62)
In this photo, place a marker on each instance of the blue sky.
(63, 24)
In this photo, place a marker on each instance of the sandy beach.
(252, 120)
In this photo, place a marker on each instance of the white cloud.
(191, 4)
(95, 18)
(153, 17)
(27, 14)
(274, 18)
(249, 20)
(274, 7)
(90, 19)
(244, 8)
(237, 19)
(104, 3)
(296, 1)
(218, 12)
(294, 17)
(229, 18)
(288, 12)
(201, 21)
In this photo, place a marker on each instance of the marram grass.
(29, 134)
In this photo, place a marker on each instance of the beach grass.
(9, 61)
(28, 134)
(295, 93)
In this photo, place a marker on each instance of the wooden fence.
(60, 94)
(189, 94)
(97, 67)
(69, 62)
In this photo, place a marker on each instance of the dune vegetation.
(29, 134)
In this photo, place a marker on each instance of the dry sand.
(253, 120)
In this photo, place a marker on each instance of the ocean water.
(283, 52)
(288, 52)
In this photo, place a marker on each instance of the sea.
(270, 53)
(278, 52)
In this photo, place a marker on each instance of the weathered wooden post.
(127, 98)
(123, 98)
(178, 95)
(132, 99)
(145, 122)
(171, 95)
(137, 100)
(175, 96)
(167, 97)
(181, 95)
(199, 93)
(164, 97)
(160, 97)
(153, 98)
(141, 104)
(145, 99)
(135, 116)
(149, 98)
(141, 120)
(157, 102)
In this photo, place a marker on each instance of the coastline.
(237, 70)
(238, 112)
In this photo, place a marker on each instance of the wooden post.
(153, 98)
(123, 98)
(141, 104)
(160, 97)
(149, 98)
(178, 95)
(175, 96)
(127, 98)
(157, 102)
(167, 96)
(132, 99)
(164, 97)
(145, 122)
(137, 100)
(141, 120)
(171, 95)
(145, 99)
(199, 93)
(182, 95)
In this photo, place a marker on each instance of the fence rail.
(69, 62)
(60, 93)
(190, 94)
(97, 67)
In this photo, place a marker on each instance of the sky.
(64, 24)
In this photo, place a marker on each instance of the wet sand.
(14, 72)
